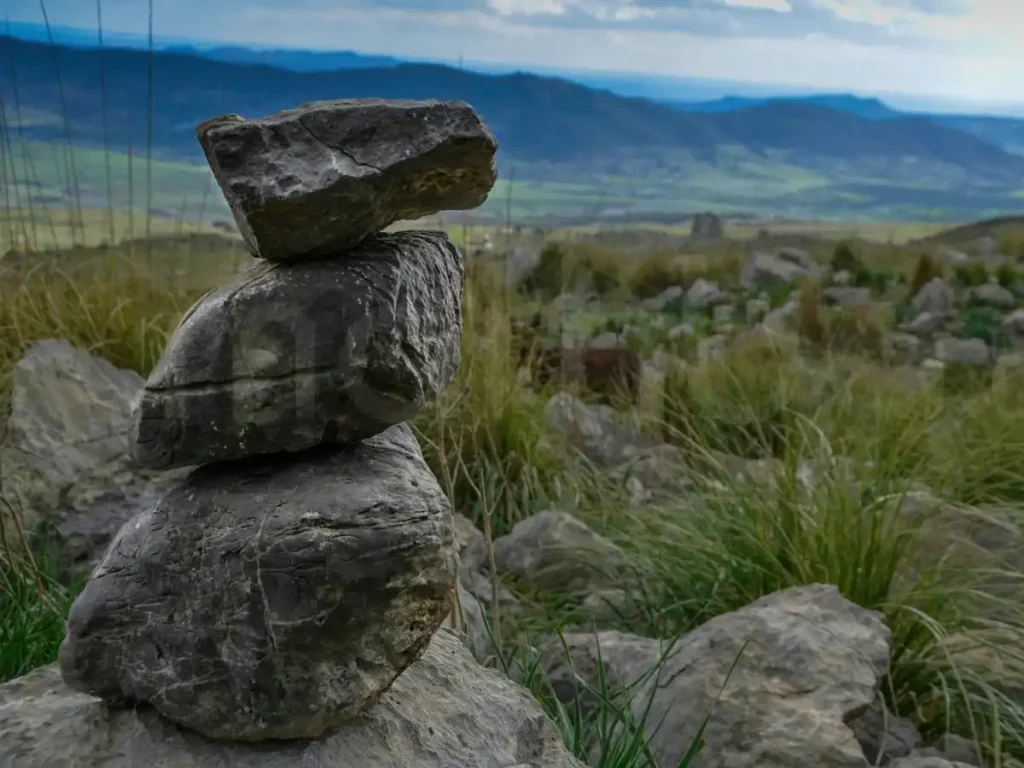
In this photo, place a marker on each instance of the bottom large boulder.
(445, 711)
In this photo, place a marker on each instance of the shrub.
(857, 330)
(1007, 275)
(564, 267)
(926, 270)
(551, 275)
(985, 323)
(971, 274)
(844, 259)
(1011, 244)
(810, 315)
(654, 274)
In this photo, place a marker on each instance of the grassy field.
(85, 176)
(729, 544)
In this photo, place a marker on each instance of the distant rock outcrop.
(706, 226)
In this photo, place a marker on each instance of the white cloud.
(527, 7)
(956, 49)
(769, 5)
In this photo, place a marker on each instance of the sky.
(954, 49)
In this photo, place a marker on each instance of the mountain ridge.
(630, 152)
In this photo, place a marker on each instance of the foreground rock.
(291, 356)
(273, 598)
(64, 458)
(445, 710)
(316, 180)
(557, 552)
(593, 431)
(811, 662)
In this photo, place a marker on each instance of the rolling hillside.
(572, 150)
(1005, 132)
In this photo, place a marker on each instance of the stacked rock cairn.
(305, 562)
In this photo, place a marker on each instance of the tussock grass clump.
(34, 602)
(565, 267)
(485, 439)
(844, 258)
(665, 269)
(971, 274)
(850, 444)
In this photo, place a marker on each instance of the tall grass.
(733, 541)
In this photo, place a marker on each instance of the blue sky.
(956, 49)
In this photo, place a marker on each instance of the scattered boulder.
(1014, 323)
(779, 319)
(884, 736)
(316, 180)
(472, 545)
(983, 539)
(332, 350)
(906, 348)
(557, 552)
(935, 297)
(681, 331)
(271, 598)
(847, 296)
(971, 352)
(951, 257)
(64, 455)
(771, 270)
(662, 300)
(991, 294)
(594, 432)
(926, 323)
(843, 277)
(445, 710)
(606, 340)
(467, 618)
(757, 309)
(706, 293)
(807, 661)
(955, 749)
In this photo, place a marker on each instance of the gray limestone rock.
(445, 711)
(558, 552)
(294, 355)
(807, 661)
(64, 459)
(273, 597)
(318, 179)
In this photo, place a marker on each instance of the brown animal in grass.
(609, 373)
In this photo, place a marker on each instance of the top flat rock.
(315, 180)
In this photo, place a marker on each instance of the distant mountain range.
(574, 150)
(1006, 132)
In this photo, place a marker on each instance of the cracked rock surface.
(271, 598)
(445, 711)
(316, 180)
(294, 355)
